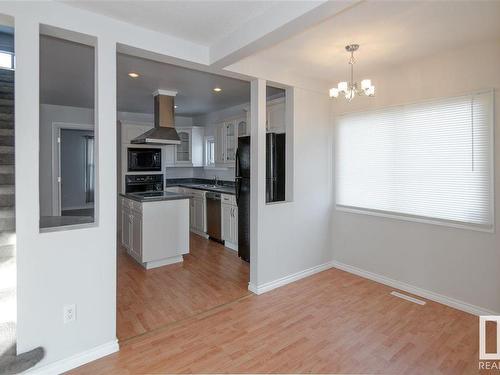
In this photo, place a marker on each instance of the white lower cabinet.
(136, 241)
(126, 227)
(229, 217)
(197, 210)
(155, 233)
(132, 229)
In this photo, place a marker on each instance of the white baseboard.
(448, 301)
(231, 245)
(202, 234)
(163, 262)
(266, 287)
(76, 360)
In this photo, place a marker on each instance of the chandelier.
(351, 89)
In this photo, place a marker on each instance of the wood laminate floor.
(332, 322)
(211, 275)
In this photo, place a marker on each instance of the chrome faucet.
(216, 181)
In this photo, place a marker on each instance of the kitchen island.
(155, 227)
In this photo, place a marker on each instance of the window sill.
(416, 219)
(63, 228)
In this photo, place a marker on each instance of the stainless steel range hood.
(164, 132)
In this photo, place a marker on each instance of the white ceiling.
(390, 33)
(195, 89)
(203, 22)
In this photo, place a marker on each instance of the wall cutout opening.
(277, 150)
(67, 129)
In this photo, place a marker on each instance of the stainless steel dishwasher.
(214, 216)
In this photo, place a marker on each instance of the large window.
(426, 161)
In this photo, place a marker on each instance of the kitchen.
(183, 186)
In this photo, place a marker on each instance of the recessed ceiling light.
(217, 89)
(133, 75)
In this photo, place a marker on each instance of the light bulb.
(342, 87)
(334, 93)
(366, 84)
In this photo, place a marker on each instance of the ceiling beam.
(273, 26)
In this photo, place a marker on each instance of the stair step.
(7, 92)
(6, 77)
(7, 176)
(7, 179)
(6, 153)
(7, 102)
(6, 213)
(7, 238)
(6, 108)
(7, 132)
(7, 219)
(7, 199)
(6, 124)
(7, 117)
(8, 224)
(7, 140)
(7, 251)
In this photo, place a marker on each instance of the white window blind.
(431, 160)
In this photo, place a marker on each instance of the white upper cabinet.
(230, 141)
(189, 153)
(226, 140)
(275, 120)
(243, 128)
(219, 144)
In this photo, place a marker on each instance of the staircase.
(10, 362)
(7, 213)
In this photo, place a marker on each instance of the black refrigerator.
(275, 183)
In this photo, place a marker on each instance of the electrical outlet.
(69, 313)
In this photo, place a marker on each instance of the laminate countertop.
(154, 196)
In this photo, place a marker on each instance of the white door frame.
(56, 160)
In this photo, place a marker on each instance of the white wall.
(74, 266)
(457, 263)
(295, 236)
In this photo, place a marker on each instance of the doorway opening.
(209, 114)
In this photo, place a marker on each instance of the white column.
(257, 175)
(106, 193)
(26, 158)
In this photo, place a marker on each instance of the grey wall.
(48, 115)
(459, 264)
(73, 164)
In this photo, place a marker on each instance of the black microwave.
(144, 159)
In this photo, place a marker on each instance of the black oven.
(144, 159)
(144, 182)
